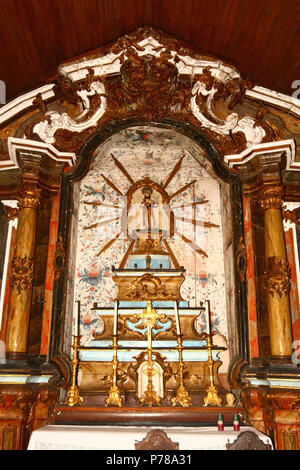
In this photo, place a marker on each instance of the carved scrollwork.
(12, 212)
(277, 276)
(29, 197)
(248, 440)
(59, 258)
(2, 401)
(271, 197)
(22, 268)
(132, 370)
(149, 82)
(291, 215)
(289, 438)
(93, 100)
(156, 440)
(205, 92)
(241, 261)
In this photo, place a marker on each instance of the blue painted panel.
(107, 343)
(157, 262)
(128, 355)
(155, 304)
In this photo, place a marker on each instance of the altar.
(60, 437)
(149, 255)
(142, 340)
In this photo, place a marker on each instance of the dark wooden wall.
(260, 37)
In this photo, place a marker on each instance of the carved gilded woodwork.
(289, 439)
(132, 369)
(149, 82)
(24, 408)
(8, 436)
(271, 197)
(241, 261)
(291, 215)
(148, 287)
(277, 276)
(12, 212)
(29, 197)
(22, 270)
(59, 257)
(274, 412)
(143, 78)
(127, 327)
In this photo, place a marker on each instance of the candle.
(236, 422)
(177, 317)
(220, 422)
(115, 319)
(77, 318)
(208, 316)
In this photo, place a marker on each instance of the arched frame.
(84, 159)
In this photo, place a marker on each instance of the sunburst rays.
(173, 210)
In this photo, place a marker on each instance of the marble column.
(267, 173)
(277, 273)
(22, 271)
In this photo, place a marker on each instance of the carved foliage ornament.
(248, 440)
(22, 272)
(143, 74)
(156, 440)
(241, 259)
(271, 198)
(291, 215)
(277, 276)
(149, 82)
(91, 97)
(207, 91)
(59, 258)
(29, 197)
(12, 212)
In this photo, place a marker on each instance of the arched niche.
(184, 140)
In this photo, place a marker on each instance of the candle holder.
(150, 396)
(212, 396)
(182, 396)
(73, 398)
(150, 317)
(114, 394)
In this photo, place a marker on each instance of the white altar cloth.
(60, 437)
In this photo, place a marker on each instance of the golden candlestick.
(150, 316)
(114, 394)
(182, 397)
(212, 396)
(73, 398)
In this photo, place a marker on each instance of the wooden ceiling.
(260, 37)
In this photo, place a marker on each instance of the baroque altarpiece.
(149, 258)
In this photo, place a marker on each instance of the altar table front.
(60, 437)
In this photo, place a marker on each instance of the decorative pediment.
(150, 77)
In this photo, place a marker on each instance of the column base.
(14, 356)
(280, 359)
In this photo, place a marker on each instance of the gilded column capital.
(277, 276)
(29, 196)
(271, 197)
